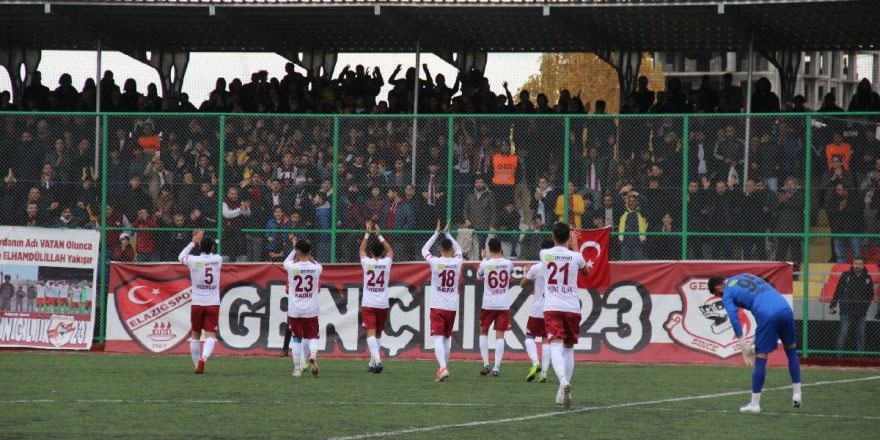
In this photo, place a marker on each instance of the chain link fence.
(788, 187)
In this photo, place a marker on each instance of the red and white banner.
(650, 311)
(47, 280)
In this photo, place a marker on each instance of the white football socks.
(297, 353)
(313, 347)
(545, 358)
(532, 350)
(373, 343)
(499, 353)
(208, 349)
(195, 349)
(447, 346)
(484, 349)
(558, 357)
(756, 399)
(440, 350)
(568, 353)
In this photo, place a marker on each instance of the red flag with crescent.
(593, 244)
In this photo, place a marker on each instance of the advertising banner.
(47, 285)
(649, 312)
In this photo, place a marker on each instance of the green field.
(85, 396)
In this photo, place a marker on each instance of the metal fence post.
(102, 291)
(685, 147)
(566, 167)
(805, 265)
(333, 200)
(450, 150)
(222, 160)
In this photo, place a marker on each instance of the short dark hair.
(547, 244)
(714, 281)
(207, 245)
(304, 247)
(494, 245)
(376, 248)
(561, 232)
(445, 244)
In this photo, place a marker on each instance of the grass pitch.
(86, 396)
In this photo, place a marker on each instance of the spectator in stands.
(708, 96)
(36, 95)
(854, 293)
(844, 216)
(481, 209)
(643, 96)
(576, 207)
(631, 232)
(840, 149)
(729, 152)
(508, 220)
(275, 240)
(234, 212)
(731, 96)
(829, 105)
(122, 251)
(865, 99)
(764, 100)
(146, 239)
(756, 202)
(665, 247)
(790, 213)
(7, 291)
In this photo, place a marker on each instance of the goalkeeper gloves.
(748, 351)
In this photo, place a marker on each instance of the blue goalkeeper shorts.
(778, 326)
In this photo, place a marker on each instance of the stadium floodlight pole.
(97, 103)
(415, 130)
(748, 132)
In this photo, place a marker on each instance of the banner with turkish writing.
(47, 285)
(649, 312)
(593, 245)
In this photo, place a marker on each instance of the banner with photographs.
(47, 287)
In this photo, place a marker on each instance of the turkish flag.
(593, 244)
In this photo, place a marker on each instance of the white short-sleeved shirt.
(445, 276)
(561, 266)
(41, 291)
(304, 283)
(204, 274)
(377, 275)
(496, 274)
(536, 274)
(51, 291)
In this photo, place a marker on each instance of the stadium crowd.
(507, 173)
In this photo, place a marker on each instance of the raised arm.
(196, 238)
(184, 254)
(426, 249)
(288, 262)
(362, 251)
(455, 245)
(389, 251)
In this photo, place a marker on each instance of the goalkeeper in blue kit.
(775, 321)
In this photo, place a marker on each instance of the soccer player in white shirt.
(562, 307)
(374, 305)
(535, 326)
(495, 272)
(204, 275)
(445, 276)
(303, 286)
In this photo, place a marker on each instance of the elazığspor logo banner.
(650, 312)
(47, 285)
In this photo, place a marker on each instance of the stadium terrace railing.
(802, 191)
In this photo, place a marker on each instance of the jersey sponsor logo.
(703, 324)
(155, 313)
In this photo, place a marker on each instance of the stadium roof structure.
(475, 25)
